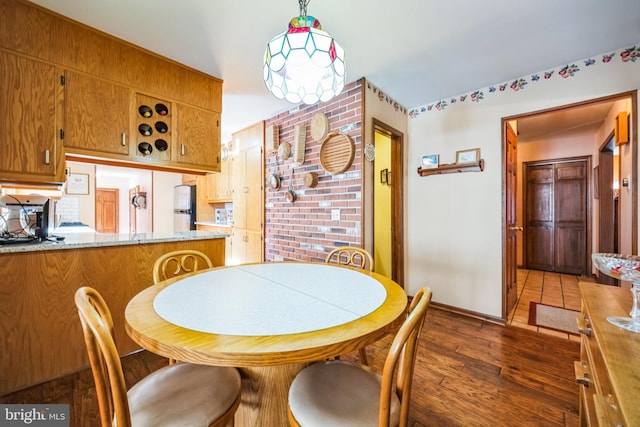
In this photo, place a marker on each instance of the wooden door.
(570, 217)
(107, 210)
(539, 202)
(510, 291)
(556, 216)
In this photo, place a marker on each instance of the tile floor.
(560, 290)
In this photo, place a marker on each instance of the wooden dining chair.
(181, 394)
(354, 257)
(344, 393)
(177, 263)
(351, 256)
(180, 262)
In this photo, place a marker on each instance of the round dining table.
(267, 319)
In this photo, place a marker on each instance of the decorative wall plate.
(310, 179)
(319, 127)
(370, 152)
(337, 153)
(284, 150)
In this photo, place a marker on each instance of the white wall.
(454, 228)
(84, 203)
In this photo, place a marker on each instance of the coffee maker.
(25, 216)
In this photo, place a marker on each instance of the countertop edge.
(92, 240)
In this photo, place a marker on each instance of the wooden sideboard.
(609, 366)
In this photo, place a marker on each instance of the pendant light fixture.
(304, 63)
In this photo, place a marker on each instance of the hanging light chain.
(303, 7)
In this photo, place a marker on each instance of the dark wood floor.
(473, 373)
(468, 373)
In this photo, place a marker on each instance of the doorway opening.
(387, 246)
(571, 131)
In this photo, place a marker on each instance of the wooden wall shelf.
(453, 168)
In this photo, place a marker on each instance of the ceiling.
(416, 51)
(583, 118)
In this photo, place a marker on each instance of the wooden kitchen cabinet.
(197, 138)
(248, 177)
(224, 230)
(247, 242)
(224, 186)
(31, 118)
(103, 76)
(31, 31)
(97, 117)
(246, 246)
(248, 198)
(219, 185)
(607, 370)
(152, 130)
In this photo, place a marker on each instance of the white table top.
(269, 299)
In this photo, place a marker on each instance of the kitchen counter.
(89, 240)
(213, 224)
(40, 331)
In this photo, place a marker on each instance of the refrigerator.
(184, 208)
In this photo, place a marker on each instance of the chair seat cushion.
(338, 393)
(183, 394)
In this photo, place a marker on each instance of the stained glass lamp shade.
(304, 64)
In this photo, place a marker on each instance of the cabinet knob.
(47, 157)
(182, 149)
(124, 139)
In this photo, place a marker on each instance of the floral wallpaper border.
(383, 97)
(629, 55)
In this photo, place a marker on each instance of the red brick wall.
(303, 230)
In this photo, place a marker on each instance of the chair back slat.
(97, 326)
(180, 262)
(401, 360)
(351, 256)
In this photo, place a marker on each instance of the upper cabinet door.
(31, 117)
(198, 137)
(97, 116)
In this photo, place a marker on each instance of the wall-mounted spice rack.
(453, 168)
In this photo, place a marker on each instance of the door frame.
(632, 95)
(397, 197)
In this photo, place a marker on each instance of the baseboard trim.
(469, 313)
